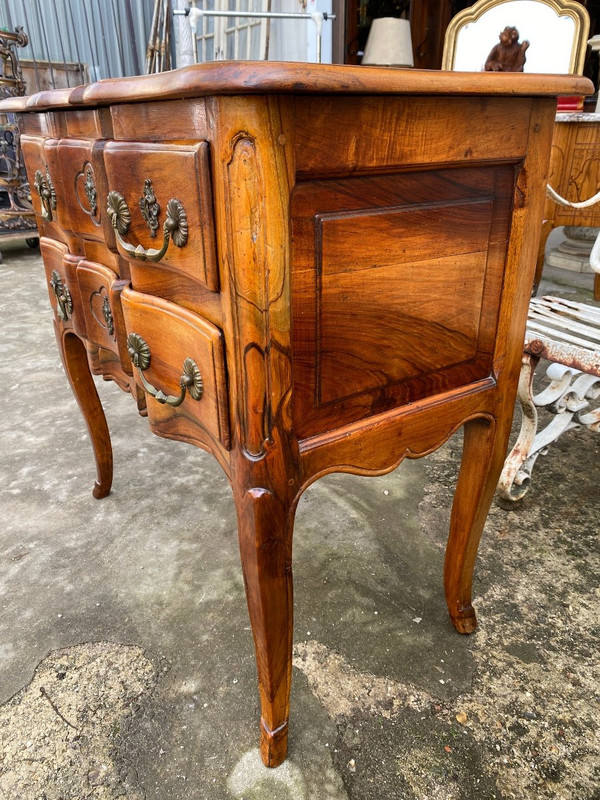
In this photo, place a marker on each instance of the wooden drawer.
(167, 342)
(100, 292)
(43, 173)
(84, 183)
(146, 177)
(60, 267)
(84, 123)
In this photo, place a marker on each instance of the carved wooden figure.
(302, 269)
(509, 54)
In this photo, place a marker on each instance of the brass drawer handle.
(45, 188)
(175, 227)
(190, 381)
(64, 301)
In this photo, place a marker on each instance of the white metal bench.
(568, 335)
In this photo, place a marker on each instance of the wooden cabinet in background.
(575, 175)
(301, 269)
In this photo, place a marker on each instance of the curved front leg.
(265, 526)
(484, 449)
(74, 358)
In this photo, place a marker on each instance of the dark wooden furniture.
(302, 269)
(428, 22)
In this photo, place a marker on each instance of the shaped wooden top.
(271, 77)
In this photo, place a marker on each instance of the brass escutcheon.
(108, 317)
(64, 301)
(89, 188)
(45, 188)
(149, 207)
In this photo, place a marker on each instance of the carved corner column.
(253, 170)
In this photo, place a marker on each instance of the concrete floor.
(126, 659)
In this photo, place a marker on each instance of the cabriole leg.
(74, 358)
(265, 526)
(483, 454)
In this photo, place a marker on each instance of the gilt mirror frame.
(562, 8)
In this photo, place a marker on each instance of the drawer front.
(168, 345)
(47, 193)
(60, 267)
(151, 183)
(84, 183)
(396, 286)
(100, 290)
(85, 123)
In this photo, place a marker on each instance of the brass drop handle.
(190, 381)
(175, 227)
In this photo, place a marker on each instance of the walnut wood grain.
(244, 77)
(179, 120)
(414, 133)
(86, 215)
(190, 336)
(89, 124)
(354, 288)
(175, 171)
(353, 356)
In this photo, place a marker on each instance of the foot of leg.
(273, 744)
(265, 531)
(483, 454)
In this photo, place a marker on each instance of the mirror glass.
(550, 37)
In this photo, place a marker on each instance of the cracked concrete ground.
(126, 659)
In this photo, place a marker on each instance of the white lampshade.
(389, 43)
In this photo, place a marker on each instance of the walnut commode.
(301, 269)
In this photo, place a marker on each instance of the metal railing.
(318, 18)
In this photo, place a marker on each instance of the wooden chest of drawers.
(301, 269)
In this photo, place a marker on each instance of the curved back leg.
(74, 357)
(484, 449)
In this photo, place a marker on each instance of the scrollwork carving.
(12, 75)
